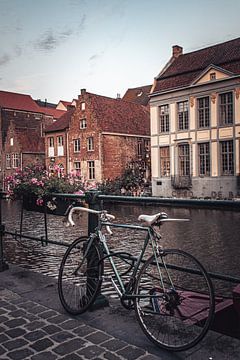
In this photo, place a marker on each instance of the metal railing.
(94, 199)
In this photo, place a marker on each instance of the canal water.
(213, 236)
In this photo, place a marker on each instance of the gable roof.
(119, 116)
(15, 101)
(53, 112)
(62, 123)
(187, 67)
(138, 95)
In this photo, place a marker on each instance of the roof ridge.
(210, 46)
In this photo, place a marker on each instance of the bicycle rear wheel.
(176, 300)
(80, 276)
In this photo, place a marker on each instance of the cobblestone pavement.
(29, 330)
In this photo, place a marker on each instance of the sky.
(50, 49)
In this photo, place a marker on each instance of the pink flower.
(39, 202)
(34, 181)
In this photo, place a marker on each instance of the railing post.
(3, 265)
(91, 198)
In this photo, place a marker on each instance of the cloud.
(50, 39)
(47, 41)
(4, 59)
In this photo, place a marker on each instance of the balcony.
(181, 182)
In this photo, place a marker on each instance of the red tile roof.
(187, 67)
(53, 112)
(62, 123)
(138, 95)
(119, 116)
(30, 140)
(15, 101)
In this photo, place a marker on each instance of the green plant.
(36, 181)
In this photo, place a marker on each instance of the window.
(184, 159)
(77, 165)
(83, 124)
(203, 111)
(51, 146)
(213, 76)
(8, 161)
(226, 108)
(15, 160)
(204, 159)
(60, 149)
(83, 106)
(183, 115)
(51, 142)
(90, 144)
(226, 156)
(76, 145)
(164, 118)
(11, 141)
(60, 140)
(91, 170)
(164, 161)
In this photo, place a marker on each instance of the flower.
(36, 181)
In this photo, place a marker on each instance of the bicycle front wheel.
(80, 276)
(175, 300)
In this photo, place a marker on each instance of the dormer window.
(213, 76)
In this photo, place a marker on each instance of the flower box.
(54, 206)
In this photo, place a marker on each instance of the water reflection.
(211, 235)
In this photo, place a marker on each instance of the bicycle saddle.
(151, 219)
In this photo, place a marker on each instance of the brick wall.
(117, 152)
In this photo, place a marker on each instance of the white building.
(195, 123)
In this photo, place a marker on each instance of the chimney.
(177, 51)
(118, 96)
(83, 91)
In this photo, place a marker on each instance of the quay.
(33, 325)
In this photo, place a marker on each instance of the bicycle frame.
(150, 238)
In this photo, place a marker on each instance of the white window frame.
(90, 143)
(83, 123)
(76, 145)
(8, 161)
(91, 170)
(15, 160)
(76, 167)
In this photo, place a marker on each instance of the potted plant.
(34, 185)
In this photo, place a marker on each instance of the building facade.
(195, 124)
(102, 135)
(22, 124)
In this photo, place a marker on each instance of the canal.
(213, 236)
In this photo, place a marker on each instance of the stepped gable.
(138, 95)
(62, 123)
(15, 101)
(119, 116)
(185, 68)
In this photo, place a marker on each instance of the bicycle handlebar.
(69, 220)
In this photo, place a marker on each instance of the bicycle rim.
(177, 303)
(80, 276)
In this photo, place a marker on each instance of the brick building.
(22, 122)
(100, 137)
(195, 123)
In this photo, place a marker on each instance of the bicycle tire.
(78, 290)
(177, 317)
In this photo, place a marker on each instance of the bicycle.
(171, 292)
